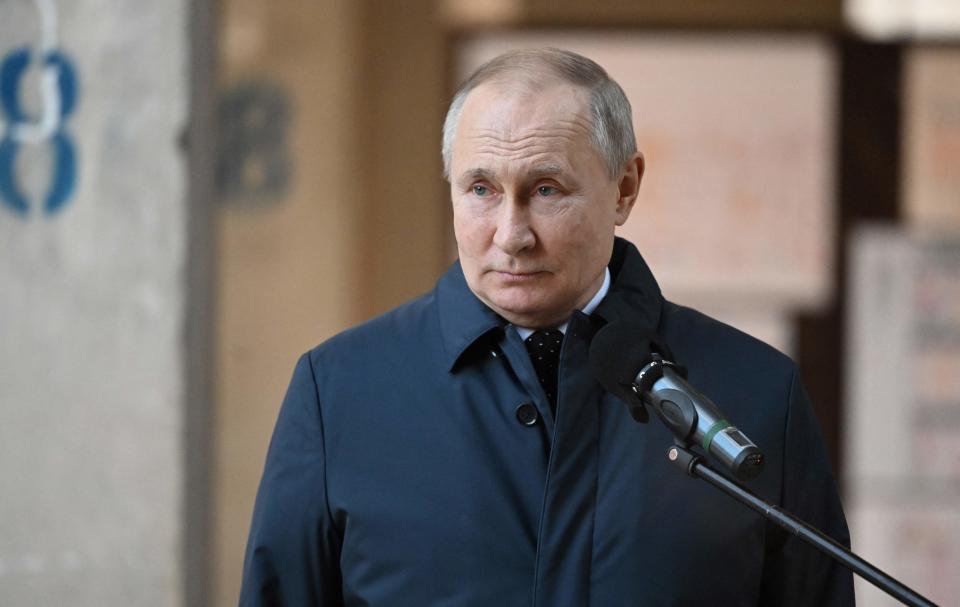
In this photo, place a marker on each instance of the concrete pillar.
(92, 221)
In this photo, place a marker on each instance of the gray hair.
(609, 108)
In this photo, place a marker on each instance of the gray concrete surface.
(91, 320)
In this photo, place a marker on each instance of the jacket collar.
(634, 293)
(464, 319)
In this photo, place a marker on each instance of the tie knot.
(544, 349)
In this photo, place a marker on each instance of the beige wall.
(358, 229)
(276, 261)
(825, 14)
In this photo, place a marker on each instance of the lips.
(516, 277)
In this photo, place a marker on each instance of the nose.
(514, 233)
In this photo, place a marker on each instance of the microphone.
(632, 364)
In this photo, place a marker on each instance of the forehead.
(504, 123)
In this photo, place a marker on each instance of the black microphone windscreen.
(617, 353)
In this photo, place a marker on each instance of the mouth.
(517, 277)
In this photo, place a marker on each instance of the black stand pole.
(696, 467)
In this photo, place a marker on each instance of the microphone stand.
(695, 466)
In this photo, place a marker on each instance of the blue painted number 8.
(64, 172)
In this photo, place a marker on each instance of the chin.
(525, 314)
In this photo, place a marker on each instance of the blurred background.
(194, 193)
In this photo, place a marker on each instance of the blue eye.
(546, 190)
(480, 190)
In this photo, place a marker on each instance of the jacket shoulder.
(700, 341)
(740, 366)
(410, 326)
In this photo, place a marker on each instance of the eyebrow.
(474, 175)
(550, 169)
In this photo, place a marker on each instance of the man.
(457, 451)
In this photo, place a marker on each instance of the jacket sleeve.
(292, 556)
(796, 573)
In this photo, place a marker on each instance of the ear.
(629, 187)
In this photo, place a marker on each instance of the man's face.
(534, 207)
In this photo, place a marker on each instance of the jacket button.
(527, 414)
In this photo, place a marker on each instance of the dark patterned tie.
(544, 349)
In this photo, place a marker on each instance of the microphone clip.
(652, 371)
(673, 407)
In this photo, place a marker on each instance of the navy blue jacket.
(400, 474)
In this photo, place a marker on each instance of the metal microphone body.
(694, 419)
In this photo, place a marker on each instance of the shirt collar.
(629, 292)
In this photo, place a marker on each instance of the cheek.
(464, 232)
(470, 236)
(470, 222)
(572, 231)
(584, 240)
